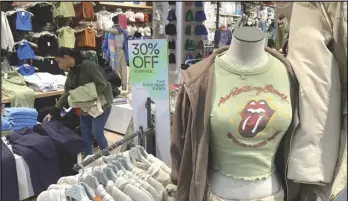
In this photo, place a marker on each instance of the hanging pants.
(121, 67)
(280, 37)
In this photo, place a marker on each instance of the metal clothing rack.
(144, 139)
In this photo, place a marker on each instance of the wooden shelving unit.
(126, 5)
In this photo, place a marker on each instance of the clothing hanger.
(142, 151)
(110, 170)
(22, 10)
(135, 154)
(38, 3)
(25, 41)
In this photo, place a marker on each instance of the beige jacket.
(318, 54)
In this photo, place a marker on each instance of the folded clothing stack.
(41, 83)
(58, 80)
(21, 117)
(6, 126)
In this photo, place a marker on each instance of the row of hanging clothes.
(133, 175)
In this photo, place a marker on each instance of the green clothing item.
(189, 16)
(86, 98)
(190, 45)
(249, 118)
(84, 73)
(66, 37)
(14, 87)
(92, 56)
(85, 95)
(65, 9)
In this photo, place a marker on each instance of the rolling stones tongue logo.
(255, 117)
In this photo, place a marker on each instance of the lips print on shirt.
(255, 117)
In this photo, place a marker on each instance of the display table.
(38, 94)
(119, 119)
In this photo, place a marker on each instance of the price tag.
(48, 44)
(51, 61)
(23, 13)
(5, 75)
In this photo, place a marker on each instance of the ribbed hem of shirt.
(240, 70)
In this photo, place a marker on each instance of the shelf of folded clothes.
(38, 94)
(126, 4)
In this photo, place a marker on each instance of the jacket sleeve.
(314, 148)
(180, 123)
(98, 77)
(63, 100)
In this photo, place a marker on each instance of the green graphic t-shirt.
(251, 112)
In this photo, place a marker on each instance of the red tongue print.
(255, 117)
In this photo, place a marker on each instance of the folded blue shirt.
(24, 118)
(25, 121)
(6, 123)
(23, 111)
(24, 124)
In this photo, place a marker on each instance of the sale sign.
(148, 62)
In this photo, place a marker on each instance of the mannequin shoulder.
(199, 71)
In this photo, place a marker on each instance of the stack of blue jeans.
(22, 117)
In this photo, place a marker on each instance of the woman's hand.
(48, 117)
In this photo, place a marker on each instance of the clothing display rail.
(144, 138)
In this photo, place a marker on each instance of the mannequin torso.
(247, 52)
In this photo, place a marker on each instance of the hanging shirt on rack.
(84, 11)
(7, 42)
(66, 37)
(104, 20)
(86, 38)
(23, 21)
(47, 65)
(64, 9)
(122, 20)
(24, 51)
(47, 44)
(42, 11)
(26, 70)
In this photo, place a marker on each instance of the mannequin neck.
(246, 54)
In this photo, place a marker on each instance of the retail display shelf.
(125, 5)
(230, 15)
(38, 94)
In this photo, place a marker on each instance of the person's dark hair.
(69, 52)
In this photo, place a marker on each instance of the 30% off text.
(145, 55)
